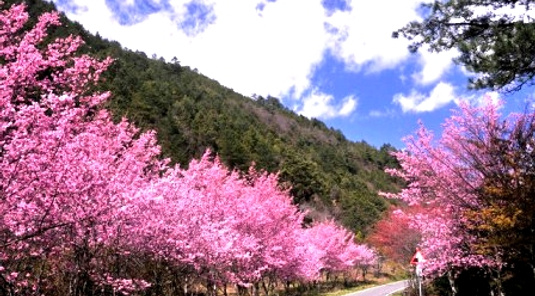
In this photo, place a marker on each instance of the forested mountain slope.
(330, 176)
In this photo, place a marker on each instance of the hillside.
(330, 176)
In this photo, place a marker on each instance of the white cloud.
(349, 104)
(272, 50)
(382, 113)
(520, 12)
(441, 95)
(365, 42)
(320, 105)
(433, 65)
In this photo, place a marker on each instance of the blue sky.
(333, 60)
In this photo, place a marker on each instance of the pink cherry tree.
(65, 167)
(473, 186)
(218, 226)
(274, 222)
(335, 249)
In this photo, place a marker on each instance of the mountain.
(330, 176)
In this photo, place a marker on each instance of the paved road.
(383, 290)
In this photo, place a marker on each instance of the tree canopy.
(474, 187)
(494, 37)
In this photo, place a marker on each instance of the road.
(383, 290)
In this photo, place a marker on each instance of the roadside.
(382, 290)
(390, 276)
(388, 284)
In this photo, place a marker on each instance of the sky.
(334, 60)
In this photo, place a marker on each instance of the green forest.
(329, 175)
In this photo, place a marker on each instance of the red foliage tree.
(394, 238)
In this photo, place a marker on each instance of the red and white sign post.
(418, 260)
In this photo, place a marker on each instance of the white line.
(360, 291)
(398, 290)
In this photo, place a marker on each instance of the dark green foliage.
(517, 280)
(499, 46)
(191, 113)
(305, 178)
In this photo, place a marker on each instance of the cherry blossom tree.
(335, 248)
(226, 227)
(65, 167)
(474, 186)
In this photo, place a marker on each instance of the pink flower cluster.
(445, 179)
(79, 193)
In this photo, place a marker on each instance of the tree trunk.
(240, 290)
(451, 280)
(287, 287)
(265, 287)
(186, 285)
(498, 283)
(256, 290)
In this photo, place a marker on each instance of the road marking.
(398, 290)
